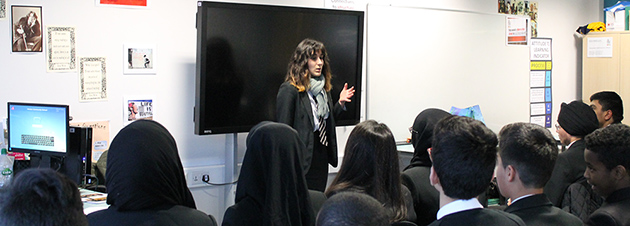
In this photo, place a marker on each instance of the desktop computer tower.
(78, 161)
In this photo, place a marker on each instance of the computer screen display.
(38, 128)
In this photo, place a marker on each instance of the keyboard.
(38, 140)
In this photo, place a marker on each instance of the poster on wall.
(138, 108)
(124, 3)
(27, 28)
(139, 59)
(540, 81)
(523, 8)
(517, 31)
(3, 9)
(60, 51)
(100, 136)
(92, 79)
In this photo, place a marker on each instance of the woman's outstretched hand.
(346, 94)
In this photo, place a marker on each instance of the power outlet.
(195, 177)
(200, 176)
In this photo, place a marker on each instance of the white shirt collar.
(458, 206)
(522, 197)
(568, 146)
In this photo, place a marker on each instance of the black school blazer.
(294, 109)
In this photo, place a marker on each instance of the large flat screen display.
(243, 51)
(38, 128)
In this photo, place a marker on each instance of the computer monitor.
(39, 129)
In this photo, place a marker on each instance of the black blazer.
(317, 201)
(538, 210)
(426, 200)
(165, 215)
(480, 217)
(614, 211)
(569, 168)
(294, 109)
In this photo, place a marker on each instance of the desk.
(93, 201)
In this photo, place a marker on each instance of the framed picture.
(26, 28)
(137, 108)
(139, 59)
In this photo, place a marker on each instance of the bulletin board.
(420, 58)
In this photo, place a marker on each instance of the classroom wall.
(101, 32)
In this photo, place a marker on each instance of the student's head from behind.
(575, 121)
(144, 169)
(527, 155)
(464, 156)
(307, 53)
(607, 157)
(422, 134)
(352, 209)
(272, 175)
(370, 165)
(608, 107)
(41, 196)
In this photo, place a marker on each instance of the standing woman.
(304, 103)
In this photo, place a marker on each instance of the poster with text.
(517, 30)
(61, 52)
(138, 108)
(92, 79)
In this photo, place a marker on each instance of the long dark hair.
(297, 71)
(370, 165)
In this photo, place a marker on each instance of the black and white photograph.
(139, 59)
(27, 28)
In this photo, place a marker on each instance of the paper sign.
(599, 47)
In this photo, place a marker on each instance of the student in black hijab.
(416, 176)
(271, 186)
(145, 181)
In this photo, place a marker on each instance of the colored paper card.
(537, 78)
(547, 108)
(548, 65)
(537, 65)
(537, 95)
(548, 78)
(547, 121)
(547, 94)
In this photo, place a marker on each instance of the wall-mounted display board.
(419, 58)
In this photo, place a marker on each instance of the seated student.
(426, 200)
(41, 196)
(352, 209)
(464, 155)
(145, 181)
(608, 107)
(575, 121)
(271, 187)
(607, 158)
(370, 166)
(527, 154)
